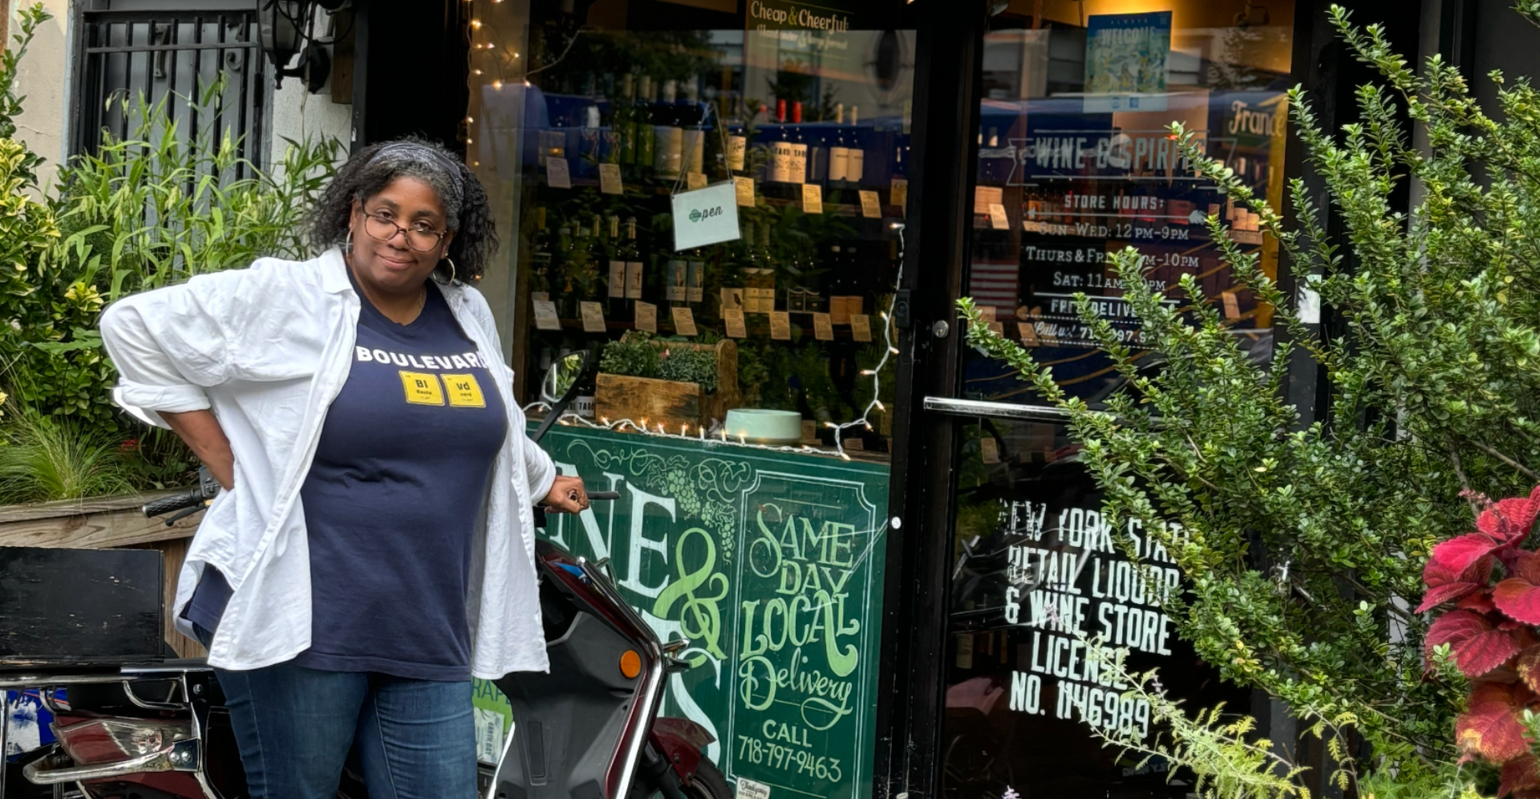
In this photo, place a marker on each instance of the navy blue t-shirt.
(392, 499)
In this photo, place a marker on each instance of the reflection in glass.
(1076, 160)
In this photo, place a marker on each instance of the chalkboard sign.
(770, 566)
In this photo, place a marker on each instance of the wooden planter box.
(667, 402)
(108, 523)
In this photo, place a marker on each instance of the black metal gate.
(129, 55)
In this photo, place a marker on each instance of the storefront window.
(1076, 161)
(749, 542)
(594, 124)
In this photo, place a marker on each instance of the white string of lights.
(875, 373)
(719, 432)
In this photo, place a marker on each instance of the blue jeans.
(295, 726)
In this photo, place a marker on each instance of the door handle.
(948, 406)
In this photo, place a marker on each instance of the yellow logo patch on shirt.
(464, 391)
(422, 388)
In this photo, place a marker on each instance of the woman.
(373, 547)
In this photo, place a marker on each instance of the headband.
(417, 152)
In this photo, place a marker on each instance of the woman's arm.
(203, 435)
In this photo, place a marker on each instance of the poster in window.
(1126, 56)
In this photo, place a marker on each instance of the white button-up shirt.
(267, 349)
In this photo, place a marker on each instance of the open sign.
(705, 216)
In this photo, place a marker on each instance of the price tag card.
(609, 179)
(545, 315)
(998, 327)
(736, 327)
(823, 328)
(705, 216)
(861, 326)
(540, 296)
(694, 180)
(618, 280)
(987, 313)
(871, 208)
(556, 174)
(1232, 305)
(839, 310)
(997, 218)
(812, 198)
(854, 444)
(646, 316)
(732, 299)
(633, 280)
(900, 194)
(780, 325)
(744, 189)
(1028, 334)
(985, 196)
(593, 317)
(684, 321)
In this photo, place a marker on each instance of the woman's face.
(391, 261)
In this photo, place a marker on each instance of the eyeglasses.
(419, 237)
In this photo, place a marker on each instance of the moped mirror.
(561, 384)
(562, 378)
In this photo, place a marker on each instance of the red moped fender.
(681, 741)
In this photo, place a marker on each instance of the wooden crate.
(668, 402)
(66, 607)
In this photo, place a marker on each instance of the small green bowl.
(764, 426)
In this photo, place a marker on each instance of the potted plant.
(677, 384)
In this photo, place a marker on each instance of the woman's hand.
(567, 495)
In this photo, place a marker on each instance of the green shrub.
(45, 458)
(141, 212)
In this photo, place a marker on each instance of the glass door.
(1076, 161)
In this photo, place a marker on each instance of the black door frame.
(947, 68)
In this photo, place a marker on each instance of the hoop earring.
(450, 278)
(347, 247)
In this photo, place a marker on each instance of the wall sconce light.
(283, 32)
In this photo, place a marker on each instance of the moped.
(588, 729)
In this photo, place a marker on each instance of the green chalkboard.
(770, 565)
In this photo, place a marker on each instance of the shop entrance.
(1070, 158)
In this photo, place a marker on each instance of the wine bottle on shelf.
(631, 256)
(540, 254)
(642, 124)
(693, 121)
(625, 119)
(839, 151)
(781, 149)
(798, 145)
(768, 273)
(566, 303)
(855, 157)
(818, 154)
(616, 284)
(737, 141)
(669, 146)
